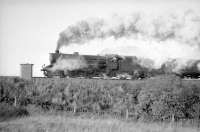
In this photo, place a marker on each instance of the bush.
(15, 90)
(166, 98)
(8, 111)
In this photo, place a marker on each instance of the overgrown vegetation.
(8, 112)
(52, 123)
(158, 99)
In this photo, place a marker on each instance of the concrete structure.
(26, 71)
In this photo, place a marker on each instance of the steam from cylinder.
(69, 63)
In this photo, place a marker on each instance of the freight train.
(108, 67)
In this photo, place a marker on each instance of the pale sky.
(29, 29)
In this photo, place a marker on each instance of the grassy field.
(59, 123)
(156, 101)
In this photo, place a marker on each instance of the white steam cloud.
(157, 38)
(183, 29)
(69, 63)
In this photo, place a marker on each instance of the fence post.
(127, 114)
(15, 101)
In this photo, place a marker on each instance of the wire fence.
(97, 113)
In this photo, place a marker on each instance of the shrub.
(8, 111)
(15, 90)
(166, 98)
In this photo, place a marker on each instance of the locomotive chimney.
(57, 51)
(76, 53)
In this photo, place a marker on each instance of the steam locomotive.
(107, 67)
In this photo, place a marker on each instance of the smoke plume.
(176, 65)
(183, 29)
(172, 40)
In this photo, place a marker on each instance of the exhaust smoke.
(183, 29)
(172, 40)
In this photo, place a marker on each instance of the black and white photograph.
(99, 65)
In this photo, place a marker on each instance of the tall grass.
(10, 112)
(52, 123)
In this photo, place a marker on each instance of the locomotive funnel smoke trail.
(158, 38)
(182, 29)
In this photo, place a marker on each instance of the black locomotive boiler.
(97, 66)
